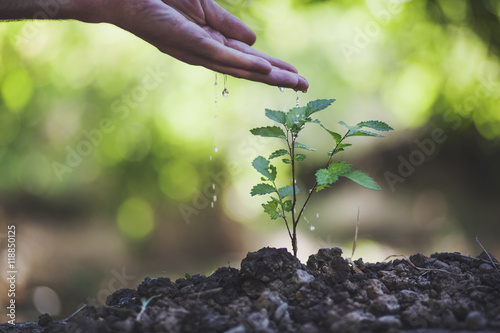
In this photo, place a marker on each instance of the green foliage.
(292, 122)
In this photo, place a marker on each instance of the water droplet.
(212, 204)
(210, 157)
(311, 227)
(215, 198)
(296, 99)
(216, 149)
(215, 83)
(297, 115)
(317, 215)
(213, 186)
(225, 92)
(281, 89)
(215, 117)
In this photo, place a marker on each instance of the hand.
(200, 32)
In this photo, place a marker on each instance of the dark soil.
(274, 292)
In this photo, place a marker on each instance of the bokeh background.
(118, 162)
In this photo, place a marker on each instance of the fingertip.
(303, 84)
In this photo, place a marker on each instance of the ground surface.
(274, 292)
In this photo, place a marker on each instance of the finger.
(276, 77)
(250, 50)
(230, 57)
(228, 24)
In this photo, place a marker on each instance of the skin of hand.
(197, 32)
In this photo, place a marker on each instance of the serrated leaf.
(300, 157)
(271, 208)
(278, 153)
(269, 131)
(352, 129)
(364, 133)
(278, 116)
(261, 164)
(286, 161)
(287, 191)
(339, 167)
(336, 136)
(261, 189)
(324, 177)
(339, 148)
(362, 179)
(296, 118)
(321, 187)
(303, 146)
(318, 105)
(331, 174)
(376, 125)
(287, 205)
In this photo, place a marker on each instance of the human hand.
(199, 32)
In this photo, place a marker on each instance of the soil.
(274, 292)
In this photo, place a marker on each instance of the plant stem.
(294, 202)
(316, 182)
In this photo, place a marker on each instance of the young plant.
(283, 200)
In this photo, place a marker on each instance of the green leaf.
(261, 189)
(264, 168)
(336, 136)
(269, 131)
(321, 187)
(271, 208)
(324, 177)
(364, 133)
(287, 205)
(278, 116)
(362, 179)
(318, 105)
(278, 153)
(286, 161)
(339, 148)
(352, 129)
(300, 157)
(302, 146)
(339, 168)
(376, 125)
(296, 118)
(331, 174)
(287, 191)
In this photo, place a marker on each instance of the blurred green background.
(118, 162)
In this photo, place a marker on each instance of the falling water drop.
(215, 83)
(317, 215)
(281, 89)
(225, 92)
(212, 204)
(296, 99)
(210, 157)
(213, 186)
(311, 227)
(214, 198)
(216, 149)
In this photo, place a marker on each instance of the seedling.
(291, 124)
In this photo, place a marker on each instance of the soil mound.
(274, 292)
